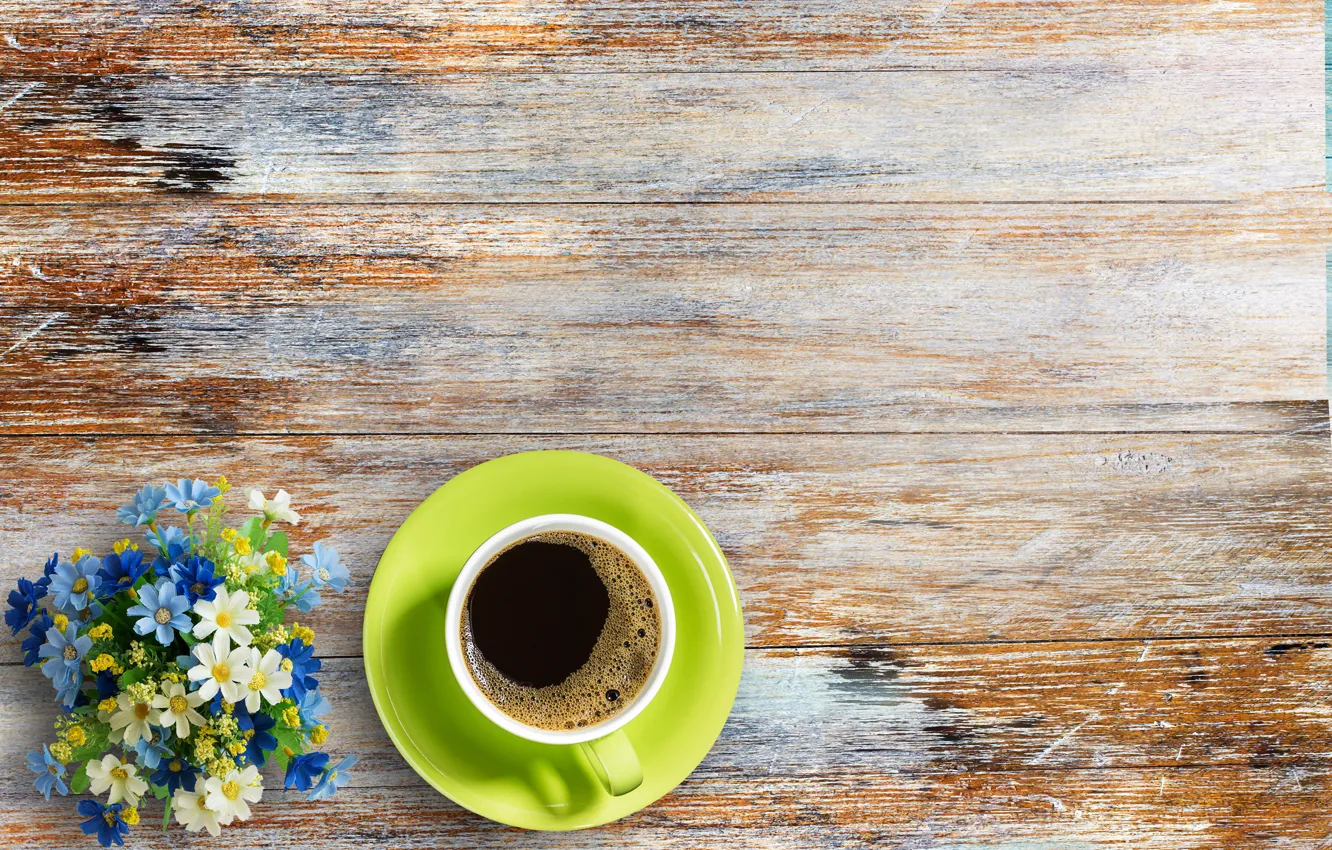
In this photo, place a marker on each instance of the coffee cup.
(529, 578)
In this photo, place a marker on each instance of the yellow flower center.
(223, 619)
(174, 765)
(257, 681)
(163, 616)
(69, 653)
(231, 790)
(51, 769)
(119, 773)
(221, 672)
(179, 705)
(80, 585)
(141, 710)
(198, 588)
(110, 818)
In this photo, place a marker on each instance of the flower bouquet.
(177, 656)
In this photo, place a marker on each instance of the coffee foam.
(621, 660)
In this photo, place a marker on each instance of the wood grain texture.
(1173, 134)
(672, 318)
(1076, 736)
(358, 36)
(866, 539)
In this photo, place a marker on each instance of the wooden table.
(987, 337)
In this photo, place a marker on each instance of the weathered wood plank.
(1169, 809)
(358, 36)
(665, 318)
(1127, 135)
(832, 538)
(840, 713)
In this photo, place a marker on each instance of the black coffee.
(561, 630)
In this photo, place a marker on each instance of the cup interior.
(520, 531)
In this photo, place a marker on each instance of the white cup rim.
(527, 528)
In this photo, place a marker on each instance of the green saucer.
(447, 740)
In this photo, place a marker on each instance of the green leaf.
(253, 528)
(129, 677)
(277, 542)
(159, 791)
(78, 783)
(287, 737)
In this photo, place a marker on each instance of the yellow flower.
(292, 717)
(120, 546)
(108, 704)
(236, 747)
(305, 633)
(60, 621)
(222, 484)
(319, 734)
(136, 656)
(228, 707)
(276, 563)
(101, 631)
(229, 534)
(242, 545)
(75, 735)
(62, 751)
(79, 553)
(130, 815)
(102, 662)
(221, 766)
(131, 593)
(204, 748)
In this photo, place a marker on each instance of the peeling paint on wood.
(968, 135)
(359, 36)
(833, 538)
(664, 318)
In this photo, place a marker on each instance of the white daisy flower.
(192, 813)
(120, 778)
(219, 672)
(132, 719)
(263, 677)
(230, 796)
(277, 508)
(225, 618)
(178, 708)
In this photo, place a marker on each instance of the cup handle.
(614, 762)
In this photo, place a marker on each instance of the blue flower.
(104, 821)
(189, 496)
(312, 707)
(172, 546)
(142, 509)
(303, 664)
(49, 772)
(152, 752)
(303, 771)
(119, 572)
(175, 773)
(23, 605)
(64, 655)
(36, 637)
(326, 568)
(333, 779)
(262, 742)
(195, 579)
(74, 586)
(50, 568)
(161, 610)
(300, 593)
(107, 685)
